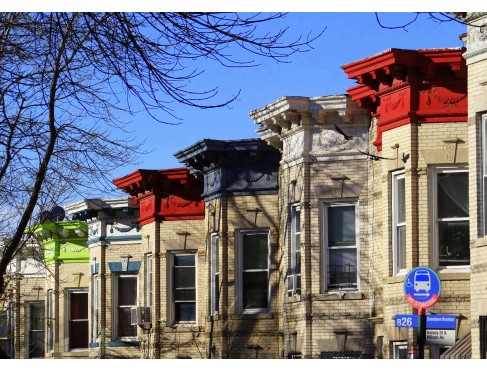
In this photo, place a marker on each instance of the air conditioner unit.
(140, 316)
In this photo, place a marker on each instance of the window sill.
(120, 343)
(94, 345)
(252, 316)
(338, 295)
(182, 327)
(449, 274)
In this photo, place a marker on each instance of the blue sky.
(348, 37)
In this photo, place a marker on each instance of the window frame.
(95, 308)
(115, 299)
(435, 254)
(397, 346)
(149, 277)
(325, 206)
(295, 270)
(215, 274)
(396, 224)
(50, 321)
(240, 271)
(172, 311)
(70, 292)
(483, 170)
(30, 330)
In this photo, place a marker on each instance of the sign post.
(422, 288)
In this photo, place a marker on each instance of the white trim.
(214, 271)
(325, 205)
(442, 169)
(115, 306)
(95, 308)
(149, 271)
(240, 305)
(170, 280)
(396, 346)
(396, 176)
(295, 210)
(483, 170)
(69, 292)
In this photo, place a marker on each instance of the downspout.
(103, 299)
(17, 309)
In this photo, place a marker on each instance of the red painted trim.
(400, 87)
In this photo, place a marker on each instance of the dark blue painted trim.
(132, 266)
(123, 343)
(94, 345)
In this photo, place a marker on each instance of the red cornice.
(400, 87)
(171, 194)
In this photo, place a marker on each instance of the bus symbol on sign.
(422, 288)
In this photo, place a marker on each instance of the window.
(215, 274)
(35, 341)
(340, 245)
(483, 336)
(450, 214)
(78, 319)
(399, 223)
(125, 297)
(94, 315)
(184, 287)
(294, 280)
(5, 333)
(484, 171)
(50, 322)
(148, 271)
(400, 350)
(253, 279)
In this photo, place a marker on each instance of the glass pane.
(185, 294)
(297, 220)
(255, 290)
(36, 344)
(184, 260)
(342, 269)
(37, 316)
(401, 201)
(214, 253)
(401, 247)
(185, 312)
(78, 334)
(79, 305)
(341, 225)
(127, 291)
(298, 262)
(184, 277)
(124, 326)
(454, 243)
(452, 195)
(255, 251)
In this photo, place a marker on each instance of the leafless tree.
(65, 78)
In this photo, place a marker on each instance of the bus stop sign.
(422, 288)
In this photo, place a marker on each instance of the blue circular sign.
(422, 288)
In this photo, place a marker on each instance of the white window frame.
(149, 278)
(396, 224)
(116, 278)
(215, 273)
(240, 305)
(295, 271)
(483, 121)
(95, 308)
(28, 339)
(435, 255)
(326, 205)
(398, 345)
(172, 310)
(50, 321)
(69, 292)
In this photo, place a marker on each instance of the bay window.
(184, 287)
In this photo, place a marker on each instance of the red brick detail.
(402, 87)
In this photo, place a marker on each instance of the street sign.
(440, 337)
(422, 288)
(441, 321)
(406, 320)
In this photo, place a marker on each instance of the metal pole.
(421, 332)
